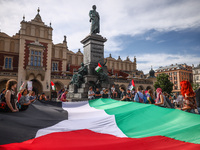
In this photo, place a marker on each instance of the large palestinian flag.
(99, 124)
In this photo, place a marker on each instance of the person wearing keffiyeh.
(160, 98)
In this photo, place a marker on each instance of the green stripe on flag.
(138, 120)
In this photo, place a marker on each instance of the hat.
(103, 88)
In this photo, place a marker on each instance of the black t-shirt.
(97, 92)
(123, 94)
(198, 97)
(129, 95)
(104, 95)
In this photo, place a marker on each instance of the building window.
(35, 58)
(175, 73)
(197, 77)
(54, 66)
(8, 63)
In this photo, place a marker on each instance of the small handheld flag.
(21, 87)
(53, 86)
(131, 85)
(19, 94)
(98, 68)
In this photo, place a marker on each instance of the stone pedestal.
(93, 53)
(93, 45)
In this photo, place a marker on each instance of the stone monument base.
(81, 93)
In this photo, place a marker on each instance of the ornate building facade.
(177, 73)
(31, 55)
(196, 74)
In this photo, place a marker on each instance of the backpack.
(2, 102)
(140, 99)
(2, 105)
(167, 103)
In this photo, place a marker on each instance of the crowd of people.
(10, 101)
(188, 100)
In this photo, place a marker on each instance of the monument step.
(80, 95)
(70, 95)
(85, 85)
(82, 90)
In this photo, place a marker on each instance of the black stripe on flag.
(22, 126)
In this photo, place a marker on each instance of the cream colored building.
(31, 55)
(196, 74)
(177, 73)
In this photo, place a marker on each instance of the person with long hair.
(150, 98)
(160, 98)
(188, 97)
(11, 85)
(139, 96)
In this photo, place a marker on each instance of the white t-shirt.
(89, 93)
(112, 89)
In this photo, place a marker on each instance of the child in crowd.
(97, 94)
(91, 94)
(105, 94)
(64, 96)
(113, 91)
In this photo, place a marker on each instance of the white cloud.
(118, 17)
(144, 62)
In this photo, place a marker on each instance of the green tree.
(195, 86)
(164, 83)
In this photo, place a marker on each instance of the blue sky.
(157, 32)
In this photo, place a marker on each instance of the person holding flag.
(131, 87)
(53, 86)
(19, 94)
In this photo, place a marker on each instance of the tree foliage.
(164, 83)
(195, 86)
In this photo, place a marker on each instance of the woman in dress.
(11, 106)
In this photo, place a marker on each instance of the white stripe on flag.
(82, 116)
